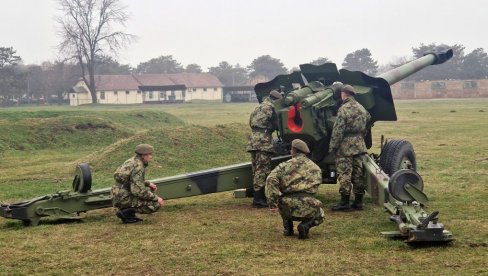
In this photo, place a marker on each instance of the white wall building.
(149, 88)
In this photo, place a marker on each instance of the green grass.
(218, 234)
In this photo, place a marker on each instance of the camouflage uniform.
(291, 187)
(260, 142)
(131, 190)
(348, 144)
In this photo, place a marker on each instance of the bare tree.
(87, 31)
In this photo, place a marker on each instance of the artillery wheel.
(398, 182)
(397, 155)
(83, 180)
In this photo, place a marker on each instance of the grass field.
(218, 234)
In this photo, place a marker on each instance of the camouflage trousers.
(349, 174)
(301, 208)
(122, 199)
(261, 167)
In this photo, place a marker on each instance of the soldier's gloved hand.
(161, 201)
(153, 187)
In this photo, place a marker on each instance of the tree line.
(22, 83)
(90, 41)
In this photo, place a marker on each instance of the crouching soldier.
(131, 193)
(291, 187)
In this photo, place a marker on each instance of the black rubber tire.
(281, 148)
(320, 150)
(394, 155)
(83, 181)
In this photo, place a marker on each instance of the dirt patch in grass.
(93, 127)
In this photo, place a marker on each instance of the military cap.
(275, 94)
(300, 145)
(349, 89)
(144, 149)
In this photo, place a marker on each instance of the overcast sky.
(207, 32)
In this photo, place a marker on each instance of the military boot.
(128, 215)
(259, 200)
(358, 202)
(287, 227)
(304, 228)
(343, 205)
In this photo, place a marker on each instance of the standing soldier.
(291, 187)
(263, 122)
(347, 142)
(131, 193)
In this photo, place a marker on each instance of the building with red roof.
(148, 88)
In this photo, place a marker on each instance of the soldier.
(291, 187)
(263, 122)
(347, 142)
(131, 193)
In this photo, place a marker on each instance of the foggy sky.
(207, 32)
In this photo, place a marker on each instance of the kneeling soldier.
(131, 194)
(291, 187)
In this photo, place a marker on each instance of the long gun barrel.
(401, 72)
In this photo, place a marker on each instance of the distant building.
(440, 89)
(243, 93)
(149, 88)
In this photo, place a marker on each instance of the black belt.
(262, 130)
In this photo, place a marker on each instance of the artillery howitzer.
(306, 112)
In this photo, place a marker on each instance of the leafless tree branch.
(87, 27)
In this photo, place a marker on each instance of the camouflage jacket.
(349, 129)
(262, 122)
(130, 175)
(297, 175)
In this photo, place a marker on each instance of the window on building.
(172, 93)
(74, 95)
(127, 92)
(438, 85)
(138, 91)
(115, 92)
(204, 89)
(151, 95)
(470, 84)
(194, 89)
(215, 89)
(162, 94)
(102, 95)
(407, 85)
